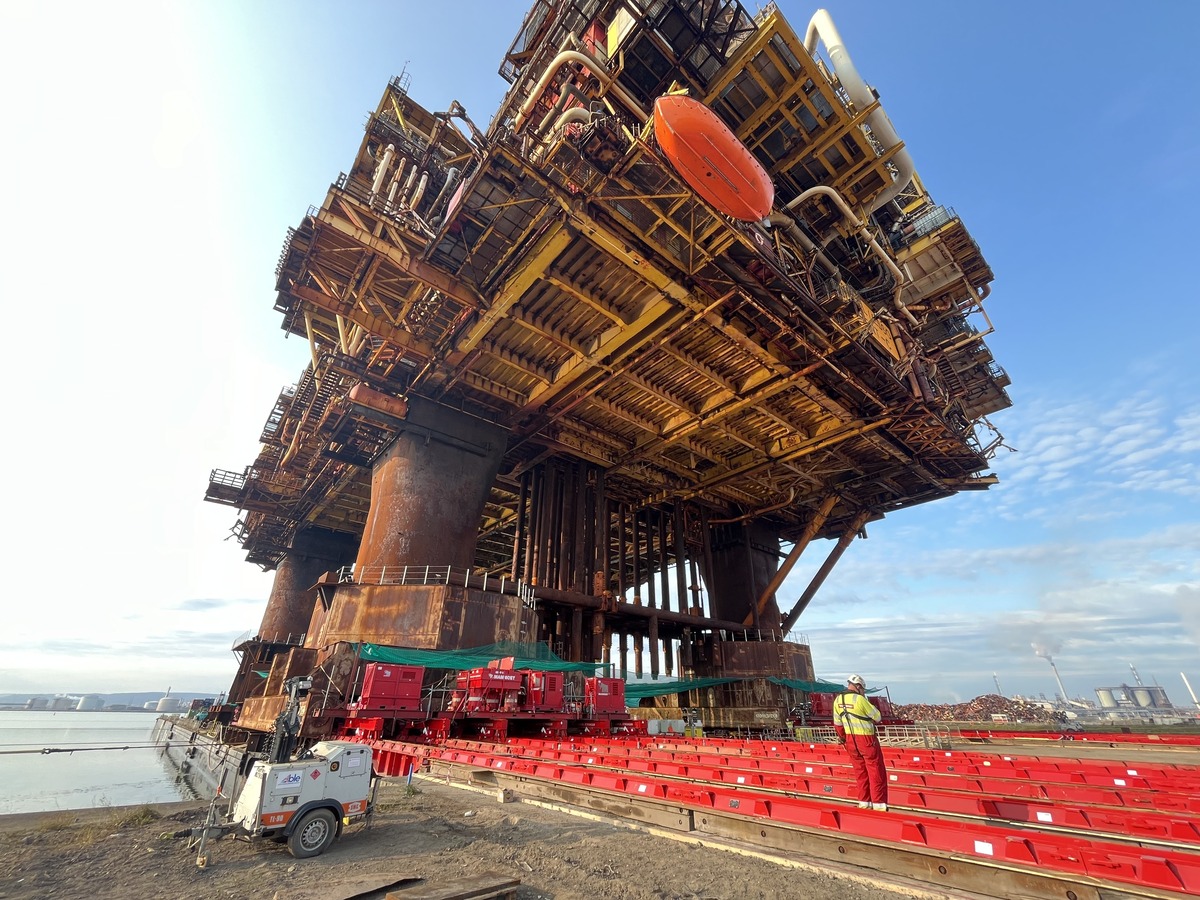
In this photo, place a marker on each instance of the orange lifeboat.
(710, 158)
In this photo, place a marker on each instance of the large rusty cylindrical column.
(429, 488)
(313, 552)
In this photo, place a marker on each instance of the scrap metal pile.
(982, 709)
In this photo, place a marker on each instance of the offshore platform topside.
(579, 378)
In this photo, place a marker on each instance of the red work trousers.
(870, 776)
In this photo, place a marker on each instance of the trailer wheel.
(313, 835)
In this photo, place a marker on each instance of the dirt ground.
(433, 832)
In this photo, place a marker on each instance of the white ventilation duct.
(821, 27)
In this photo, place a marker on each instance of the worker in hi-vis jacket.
(854, 720)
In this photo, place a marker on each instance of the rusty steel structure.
(555, 395)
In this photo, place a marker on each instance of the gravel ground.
(432, 832)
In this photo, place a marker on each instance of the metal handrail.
(425, 575)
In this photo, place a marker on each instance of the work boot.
(863, 804)
(880, 807)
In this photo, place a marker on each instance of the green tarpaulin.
(817, 687)
(637, 690)
(525, 656)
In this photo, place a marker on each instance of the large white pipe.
(396, 180)
(593, 66)
(419, 192)
(381, 170)
(821, 27)
(866, 235)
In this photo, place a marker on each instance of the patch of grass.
(139, 815)
(57, 823)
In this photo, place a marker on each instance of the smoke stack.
(1188, 685)
(996, 678)
(1061, 688)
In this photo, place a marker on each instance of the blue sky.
(158, 152)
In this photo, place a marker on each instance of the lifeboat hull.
(711, 160)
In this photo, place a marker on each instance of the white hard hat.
(856, 679)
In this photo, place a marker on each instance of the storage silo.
(1105, 698)
(1158, 697)
(90, 702)
(1142, 697)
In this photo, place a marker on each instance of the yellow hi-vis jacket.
(855, 713)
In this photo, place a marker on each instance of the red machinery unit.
(604, 695)
(821, 706)
(544, 691)
(821, 710)
(388, 688)
(489, 690)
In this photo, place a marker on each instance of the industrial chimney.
(1187, 684)
(1062, 690)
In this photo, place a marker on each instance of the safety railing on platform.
(930, 736)
(933, 736)
(426, 575)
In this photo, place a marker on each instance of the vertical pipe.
(686, 663)
(637, 654)
(706, 535)
(652, 646)
(663, 569)
(579, 529)
(535, 517)
(622, 516)
(694, 595)
(635, 548)
(680, 561)
(750, 573)
(568, 534)
(558, 548)
(668, 656)
(522, 523)
(546, 538)
(597, 642)
(604, 537)
(651, 562)
(576, 634)
(623, 649)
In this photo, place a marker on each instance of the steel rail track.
(935, 868)
(1016, 824)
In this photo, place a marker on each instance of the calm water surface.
(82, 779)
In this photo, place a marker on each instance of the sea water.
(81, 777)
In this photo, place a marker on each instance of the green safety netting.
(637, 690)
(525, 656)
(816, 687)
